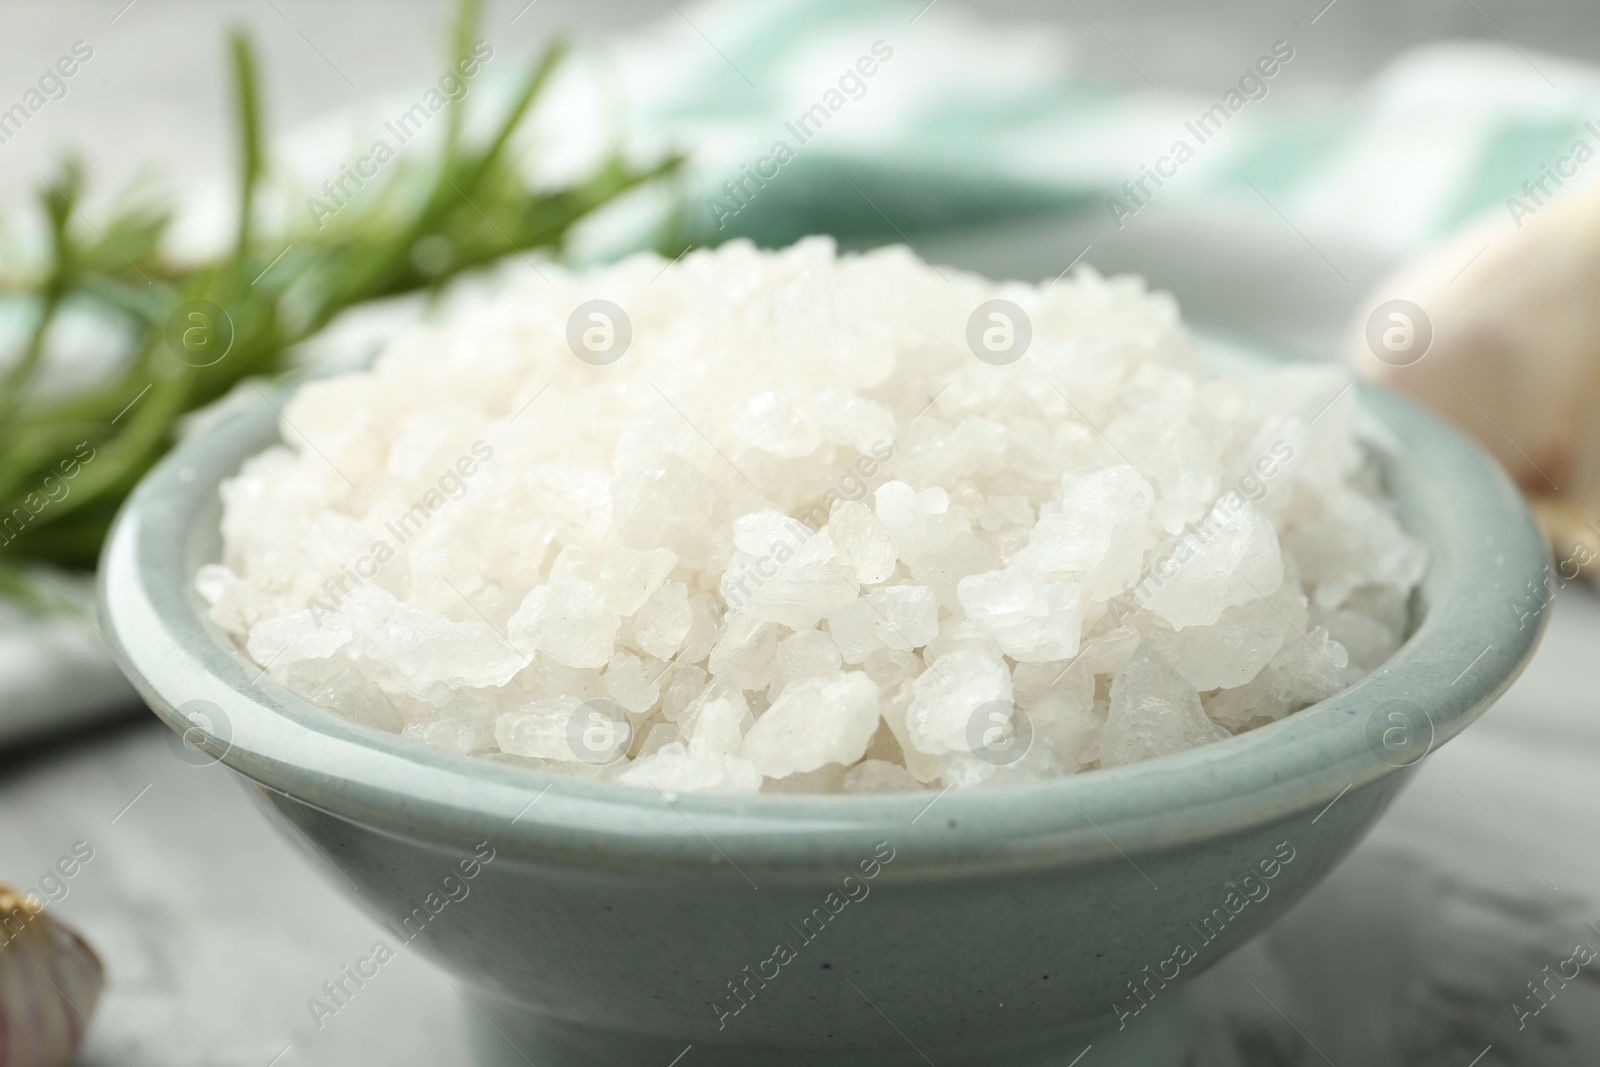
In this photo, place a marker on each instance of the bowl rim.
(1486, 554)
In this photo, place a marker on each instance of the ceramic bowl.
(589, 923)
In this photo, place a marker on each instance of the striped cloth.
(964, 121)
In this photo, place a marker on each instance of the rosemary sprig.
(474, 208)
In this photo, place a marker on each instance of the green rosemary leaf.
(250, 164)
(67, 461)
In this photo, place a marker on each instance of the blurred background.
(1396, 142)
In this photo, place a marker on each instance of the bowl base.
(509, 1038)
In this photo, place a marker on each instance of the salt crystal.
(556, 678)
(1310, 668)
(673, 769)
(716, 690)
(717, 727)
(1247, 705)
(1349, 540)
(864, 541)
(685, 683)
(567, 620)
(631, 684)
(227, 595)
(666, 504)
(421, 649)
(543, 729)
(895, 672)
(1062, 545)
(662, 622)
(769, 534)
(340, 683)
(898, 510)
(814, 721)
(1231, 651)
(942, 569)
(628, 577)
(1117, 501)
(743, 655)
(1107, 651)
(1031, 621)
(774, 424)
(963, 770)
(892, 616)
(948, 694)
(1073, 724)
(1094, 532)
(705, 628)
(463, 725)
(578, 561)
(1368, 641)
(909, 614)
(305, 634)
(1004, 510)
(796, 593)
(958, 632)
(1032, 682)
(803, 654)
(878, 776)
(847, 419)
(853, 628)
(577, 496)
(1231, 558)
(1154, 712)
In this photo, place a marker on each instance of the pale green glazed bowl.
(1013, 925)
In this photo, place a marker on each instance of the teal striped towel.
(877, 119)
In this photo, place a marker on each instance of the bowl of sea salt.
(818, 658)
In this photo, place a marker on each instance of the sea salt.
(814, 721)
(799, 538)
(1154, 711)
(567, 620)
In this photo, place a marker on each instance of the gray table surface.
(216, 927)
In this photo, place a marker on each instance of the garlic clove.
(1515, 352)
(1574, 532)
(50, 982)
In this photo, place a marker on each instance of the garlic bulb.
(50, 980)
(1497, 328)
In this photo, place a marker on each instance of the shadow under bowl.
(591, 923)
